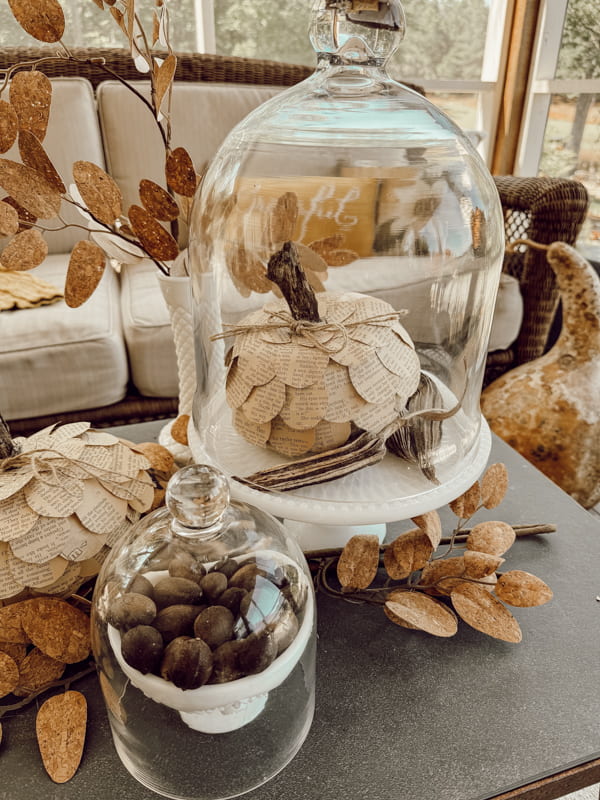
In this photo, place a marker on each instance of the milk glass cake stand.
(327, 514)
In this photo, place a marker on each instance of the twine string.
(279, 320)
(45, 469)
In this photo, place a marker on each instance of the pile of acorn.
(196, 626)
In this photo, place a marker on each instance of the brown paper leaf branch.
(35, 189)
(422, 588)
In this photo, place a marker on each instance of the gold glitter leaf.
(157, 201)
(522, 589)
(494, 485)
(42, 19)
(86, 267)
(431, 525)
(9, 674)
(30, 96)
(480, 565)
(484, 612)
(468, 503)
(9, 220)
(30, 189)
(60, 728)
(180, 173)
(9, 126)
(422, 612)
(163, 77)
(157, 242)
(408, 552)
(99, 191)
(36, 671)
(33, 155)
(60, 630)
(358, 562)
(25, 251)
(440, 577)
(490, 537)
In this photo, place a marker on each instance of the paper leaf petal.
(431, 526)
(86, 267)
(42, 19)
(180, 173)
(99, 191)
(59, 629)
(60, 728)
(157, 201)
(408, 552)
(468, 503)
(484, 612)
(490, 537)
(33, 155)
(152, 236)
(358, 562)
(31, 96)
(9, 126)
(422, 612)
(522, 589)
(164, 75)
(494, 485)
(25, 251)
(30, 189)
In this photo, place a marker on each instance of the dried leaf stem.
(525, 529)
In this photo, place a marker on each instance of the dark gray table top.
(401, 715)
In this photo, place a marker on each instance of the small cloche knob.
(197, 496)
(357, 31)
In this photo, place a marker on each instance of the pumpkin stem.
(285, 270)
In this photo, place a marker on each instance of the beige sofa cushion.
(147, 331)
(201, 117)
(55, 358)
(202, 114)
(73, 134)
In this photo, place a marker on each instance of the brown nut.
(131, 609)
(245, 577)
(228, 566)
(257, 652)
(214, 625)
(184, 565)
(177, 620)
(265, 604)
(231, 599)
(142, 648)
(225, 662)
(175, 591)
(186, 662)
(213, 585)
(141, 585)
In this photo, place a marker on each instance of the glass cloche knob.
(346, 31)
(197, 497)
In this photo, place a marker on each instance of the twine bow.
(279, 320)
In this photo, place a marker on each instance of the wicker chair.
(543, 209)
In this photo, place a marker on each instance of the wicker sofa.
(543, 209)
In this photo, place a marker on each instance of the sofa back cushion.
(202, 114)
(73, 134)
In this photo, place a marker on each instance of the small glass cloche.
(346, 249)
(203, 629)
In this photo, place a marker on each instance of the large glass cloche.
(346, 249)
